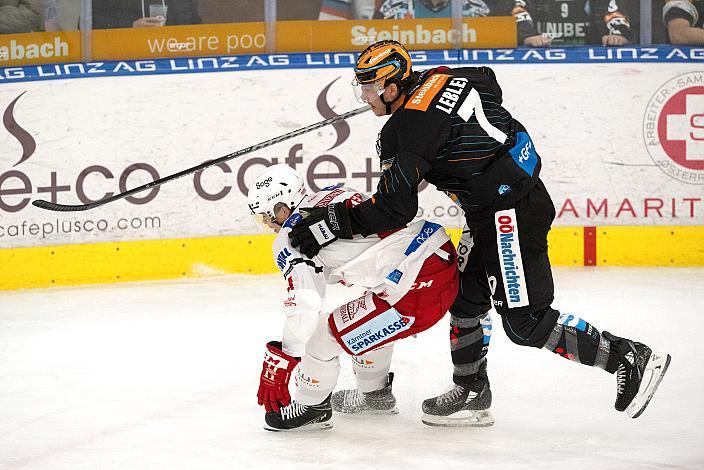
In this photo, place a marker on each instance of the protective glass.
(366, 91)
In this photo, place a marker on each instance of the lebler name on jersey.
(449, 97)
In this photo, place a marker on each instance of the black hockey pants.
(504, 260)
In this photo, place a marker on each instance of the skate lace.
(620, 379)
(452, 395)
(293, 410)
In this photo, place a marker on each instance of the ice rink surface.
(164, 375)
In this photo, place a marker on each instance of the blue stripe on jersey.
(293, 220)
(428, 229)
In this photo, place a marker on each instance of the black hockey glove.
(320, 227)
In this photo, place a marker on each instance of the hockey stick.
(42, 204)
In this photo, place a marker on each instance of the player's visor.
(262, 218)
(266, 219)
(366, 91)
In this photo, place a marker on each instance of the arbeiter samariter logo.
(673, 128)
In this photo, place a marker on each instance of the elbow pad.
(405, 173)
(395, 202)
(524, 21)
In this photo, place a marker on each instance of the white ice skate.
(653, 373)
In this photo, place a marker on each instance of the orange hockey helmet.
(387, 60)
(381, 64)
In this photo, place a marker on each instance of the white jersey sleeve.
(303, 301)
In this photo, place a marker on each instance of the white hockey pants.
(319, 368)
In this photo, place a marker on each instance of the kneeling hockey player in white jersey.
(410, 277)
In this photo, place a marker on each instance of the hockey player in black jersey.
(602, 22)
(448, 126)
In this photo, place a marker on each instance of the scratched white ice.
(163, 375)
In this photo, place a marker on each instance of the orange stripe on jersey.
(610, 16)
(422, 97)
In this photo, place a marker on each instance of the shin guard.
(469, 343)
(372, 369)
(315, 379)
(577, 340)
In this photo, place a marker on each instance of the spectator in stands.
(20, 16)
(136, 13)
(347, 9)
(599, 22)
(519, 9)
(684, 20)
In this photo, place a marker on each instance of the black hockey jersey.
(453, 132)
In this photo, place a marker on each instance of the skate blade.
(657, 366)
(304, 428)
(461, 419)
(369, 412)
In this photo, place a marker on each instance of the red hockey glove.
(276, 373)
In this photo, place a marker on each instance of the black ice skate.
(464, 405)
(353, 401)
(639, 373)
(297, 417)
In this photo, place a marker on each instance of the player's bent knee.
(463, 308)
(322, 345)
(530, 329)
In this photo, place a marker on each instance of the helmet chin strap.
(389, 103)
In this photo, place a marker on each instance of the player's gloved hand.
(320, 227)
(276, 374)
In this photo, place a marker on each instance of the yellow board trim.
(650, 246)
(99, 263)
(566, 246)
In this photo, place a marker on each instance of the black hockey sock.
(577, 340)
(469, 343)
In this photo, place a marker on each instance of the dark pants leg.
(514, 248)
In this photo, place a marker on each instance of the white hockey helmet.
(277, 184)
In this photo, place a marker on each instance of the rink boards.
(620, 132)
(100, 263)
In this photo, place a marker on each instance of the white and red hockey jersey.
(387, 266)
